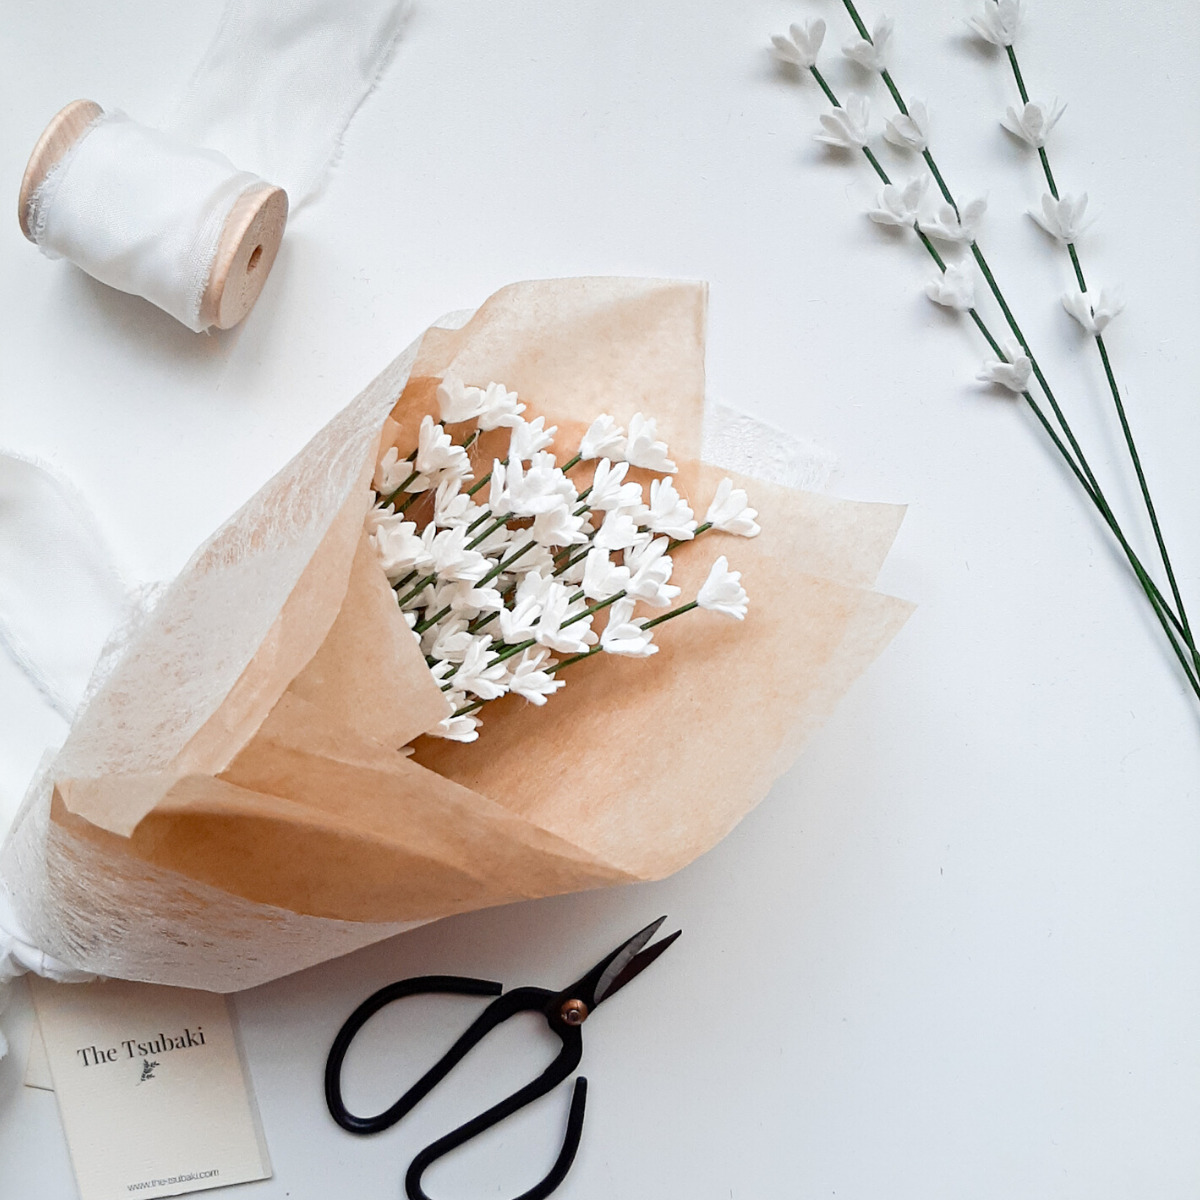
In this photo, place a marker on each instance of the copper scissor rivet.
(573, 1012)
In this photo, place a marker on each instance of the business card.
(151, 1087)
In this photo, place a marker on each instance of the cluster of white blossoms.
(948, 230)
(504, 587)
(909, 205)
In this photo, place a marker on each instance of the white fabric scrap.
(60, 594)
(280, 83)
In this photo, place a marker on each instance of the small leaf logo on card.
(148, 1069)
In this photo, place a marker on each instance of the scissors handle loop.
(566, 1156)
(454, 985)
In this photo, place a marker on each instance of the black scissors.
(564, 1011)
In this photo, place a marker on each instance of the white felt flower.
(541, 489)
(802, 43)
(647, 550)
(730, 511)
(559, 526)
(499, 501)
(668, 512)
(948, 226)
(953, 288)
(437, 457)
(448, 640)
(452, 559)
(537, 586)
(391, 472)
(604, 439)
(623, 635)
(641, 448)
(650, 569)
(499, 407)
(538, 559)
(464, 598)
(1063, 218)
(911, 131)
(457, 729)
(451, 505)
(609, 489)
(1013, 374)
(601, 576)
(846, 128)
(872, 53)
(378, 517)
(722, 591)
(519, 623)
(457, 402)
(480, 673)
(401, 550)
(899, 206)
(618, 531)
(530, 679)
(554, 632)
(1034, 121)
(998, 22)
(1094, 313)
(529, 437)
(550, 478)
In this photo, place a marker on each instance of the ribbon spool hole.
(249, 239)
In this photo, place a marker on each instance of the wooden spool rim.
(57, 138)
(248, 244)
(245, 254)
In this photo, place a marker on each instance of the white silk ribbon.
(140, 210)
(143, 210)
(60, 595)
(280, 83)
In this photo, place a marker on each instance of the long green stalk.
(1076, 461)
(1114, 390)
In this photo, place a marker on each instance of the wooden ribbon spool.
(249, 241)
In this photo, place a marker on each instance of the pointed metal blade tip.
(631, 960)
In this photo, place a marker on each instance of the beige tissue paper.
(232, 803)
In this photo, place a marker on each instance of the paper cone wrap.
(233, 802)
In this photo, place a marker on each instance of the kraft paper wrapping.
(233, 803)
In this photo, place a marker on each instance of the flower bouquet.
(433, 664)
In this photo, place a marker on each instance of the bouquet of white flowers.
(285, 758)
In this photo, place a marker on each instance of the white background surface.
(956, 953)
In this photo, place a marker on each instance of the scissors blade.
(627, 962)
(636, 966)
(621, 957)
